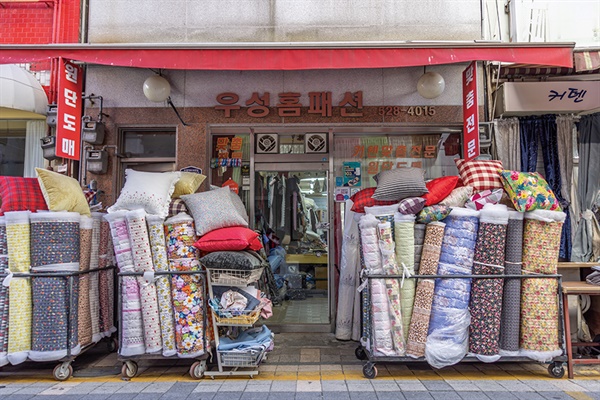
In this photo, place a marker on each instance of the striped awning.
(584, 62)
(588, 60)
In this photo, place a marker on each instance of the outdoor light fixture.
(158, 89)
(431, 85)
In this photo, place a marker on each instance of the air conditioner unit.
(315, 143)
(267, 143)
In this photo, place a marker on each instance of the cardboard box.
(321, 278)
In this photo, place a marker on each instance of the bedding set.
(54, 249)
(447, 338)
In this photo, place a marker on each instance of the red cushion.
(363, 198)
(233, 238)
(21, 194)
(439, 189)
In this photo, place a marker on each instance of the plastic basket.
(234, 277)
(245, 318)
(250, 358)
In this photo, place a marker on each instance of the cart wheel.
(360, 353)
(197, 369)
(129, 370)
(111, 345)
(556, 370)
(370, 371)
(63, 371)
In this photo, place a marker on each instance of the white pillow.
(149, 191)
(215, 209)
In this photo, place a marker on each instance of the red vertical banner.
(69, 107)
(470, 113)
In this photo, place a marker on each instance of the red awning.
(293, 56)
(587, 60)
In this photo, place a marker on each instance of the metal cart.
(555, 367)
(130, 363)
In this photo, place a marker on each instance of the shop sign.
(229, 152)
(470, 113)
(288, 104)
(192, 169)
(388, 157)
(69, 108)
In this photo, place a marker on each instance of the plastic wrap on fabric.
(404, 238)
(94, 278)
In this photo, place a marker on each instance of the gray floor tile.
(390, 396)
(417, 395)
(201, 396)
(282, 395)
(122, 396)
(363, 396)
(227, 396)
(437, 386)
(308, 396)
(283, 386)
(529, 396)
(445, 395)
(94, 397)
(556, 396)
(18, 397)
(336, 396)
(180, 390)
(334, 386)
(254, 395)
(9, 389)
(148, 396)
(472, 395)
(505, 395)
(233, 386)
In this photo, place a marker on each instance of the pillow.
(480, 174)
(20, 194)
(433, 213)
(188, 183)
(478, 200)
(399, 183)
(235, 238)
(458, 197)
(364, 198)
(238, 204)
(382, 210)
(62, 193)
(412, 205)
(148, 191)
(177, 206)
(243, 260)
(214, 209)
(439, 189)
(529, 191)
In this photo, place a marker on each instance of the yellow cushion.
(187, 184)
(62, 193)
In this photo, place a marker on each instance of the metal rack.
(234, 359)
(130, 363)
(555, 367)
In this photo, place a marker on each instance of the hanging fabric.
(506, 135)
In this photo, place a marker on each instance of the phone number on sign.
(418, 111)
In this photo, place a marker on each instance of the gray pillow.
(243, 260)
(399, 183)
(214, 209)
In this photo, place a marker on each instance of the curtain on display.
(34, 158)
(586, 242)
(544, 129)
(507, 134)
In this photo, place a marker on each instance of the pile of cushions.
(480, 182)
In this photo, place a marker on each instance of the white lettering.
(471, 148)
(70, 97)
(470, 99)
(470, 123)
(69, 122)
(469, 75)
(68, 147)
(71, 73)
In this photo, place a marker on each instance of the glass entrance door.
(291, 207)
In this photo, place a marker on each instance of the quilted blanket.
(142, 262)
(163, 284)
(54, 249)
(187, 290)
(94, 278)
(19, 294)
(3, 294)
(486, 294)
(106, 281)
(132, 332)
(447, 340)
(404, 238)
(419, 322)
(419, 238)
(381, 327)
(510, 321)
(84, 318)
(539, 296)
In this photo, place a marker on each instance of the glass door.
(291, 207)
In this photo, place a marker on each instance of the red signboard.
(70, 103)
(470, 113)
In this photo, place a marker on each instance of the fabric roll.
(54, 249)
(380, 324)
(94, 278)
(539, 296)
(404, 238)
(142, 262)
(3, 295)
(349, 262)
(447, 340)
(106, 281)
(84, 318)
(510, 321)
(187, 290)
(390, 267)
(19, 294)
(419, 322)
(486, 294)
(131, 341)
(163, 284)
(419, 238)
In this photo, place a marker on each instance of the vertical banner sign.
(70, 103)
(470, 113)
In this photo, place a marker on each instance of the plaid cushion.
(21, 194)
(177, 206)
(480, 174)
(411, 205)
(363, 198)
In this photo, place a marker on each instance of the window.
(12, 147)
